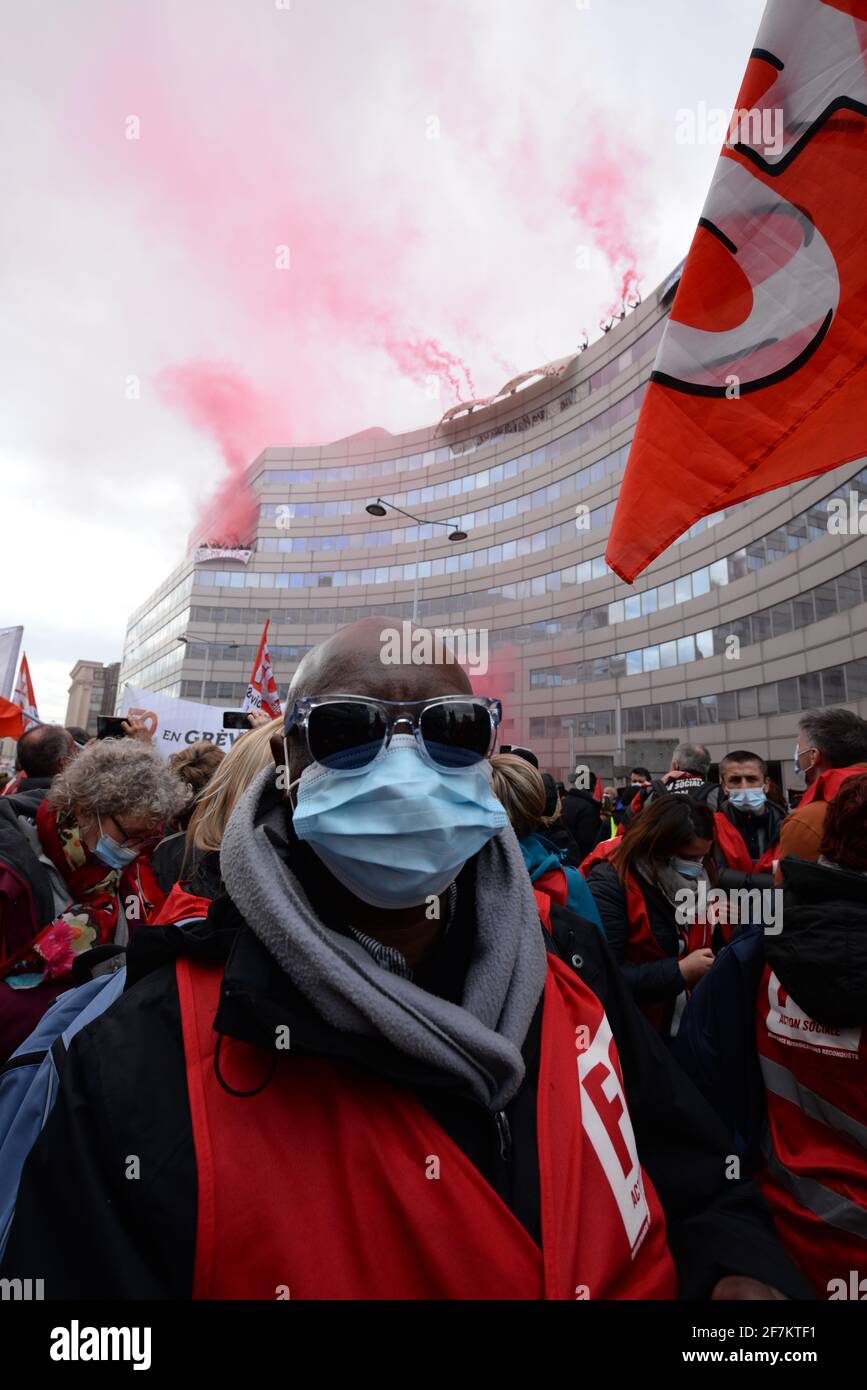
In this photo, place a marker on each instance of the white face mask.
(110, 853)
(687, 868)
(399, 831)
(748, 798)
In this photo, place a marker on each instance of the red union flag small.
(24, 697)
(262, 690)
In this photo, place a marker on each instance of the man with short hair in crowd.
(357, 1079)
(686, 776)
(748, 824)
(41, 752)
(831, 747)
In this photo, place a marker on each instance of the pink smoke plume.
(500, 680)
(421, 360)
(313, 233)
(608, 203)
(216, 399)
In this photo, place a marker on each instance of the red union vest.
(815, 1173)
(828, 783)
(642, 945)
(331, 1183)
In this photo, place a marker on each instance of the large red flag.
(760, 376)
(262, 690)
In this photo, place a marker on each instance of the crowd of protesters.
(325, 994)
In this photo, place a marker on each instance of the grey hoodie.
(478, 1041)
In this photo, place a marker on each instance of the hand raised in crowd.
(695, 966)
(135, 726)
(257, 718)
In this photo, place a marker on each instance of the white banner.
(215, 552)
(10, 646)
(175, 724)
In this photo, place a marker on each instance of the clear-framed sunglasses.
(348, 732)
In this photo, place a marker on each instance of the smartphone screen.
(110, 726)
(235, 719)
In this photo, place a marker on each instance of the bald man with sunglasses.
(381, 1068)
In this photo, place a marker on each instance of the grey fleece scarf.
(477, 1042)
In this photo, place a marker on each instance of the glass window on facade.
(804, 610)
(833, 686)
(782, 620)
(632, 607)
(761, 626)
(648, 602)
(788, 696)
(856, 679)
(826, 600)
(665, 595)
(707, 710)
(767, 699)
(848, 590)
(701, 582)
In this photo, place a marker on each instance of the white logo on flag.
(606, 1122)
(789, 1022)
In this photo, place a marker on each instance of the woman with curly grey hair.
(81, 865)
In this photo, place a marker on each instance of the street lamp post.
(230, 646)
(570, 729)
(378, 508)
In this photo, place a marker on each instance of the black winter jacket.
(581, 814)
(652, 982)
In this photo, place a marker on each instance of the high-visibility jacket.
(329, 1182)
(815, 1171)
(642, 945)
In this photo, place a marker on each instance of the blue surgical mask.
(399, 830)
(110, 853)
(688, 868)
(748, 799)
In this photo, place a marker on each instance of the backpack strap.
(25, 1059)
(59, 1053)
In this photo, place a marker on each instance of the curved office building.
(755, 615)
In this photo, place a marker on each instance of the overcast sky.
(228, 224)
